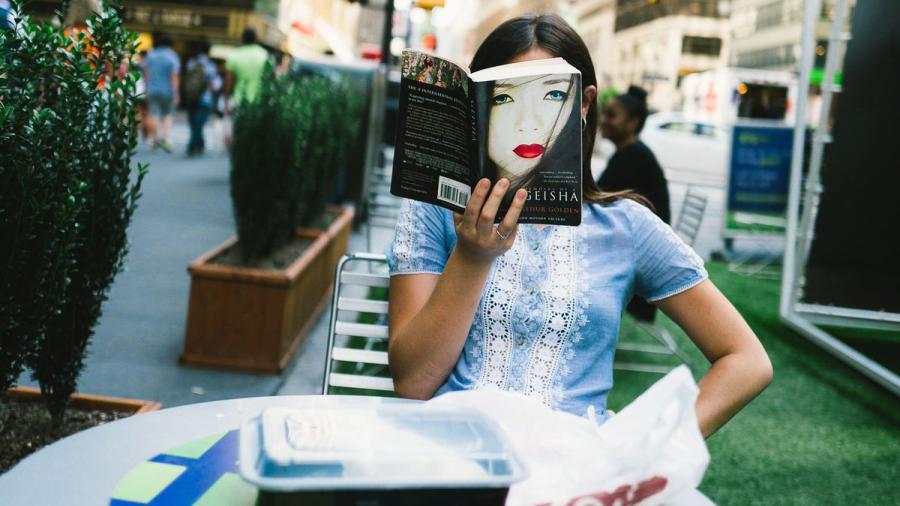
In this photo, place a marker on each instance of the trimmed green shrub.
(67, 190)
(288, 146)
(336, 112)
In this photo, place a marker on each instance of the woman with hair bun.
(633, 167)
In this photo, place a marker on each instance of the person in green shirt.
(245, 69)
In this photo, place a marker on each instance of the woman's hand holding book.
(478, 239)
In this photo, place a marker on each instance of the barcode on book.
(452, 191)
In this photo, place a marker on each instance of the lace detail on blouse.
(533, 302)
(496, 309)
(560, 306)
(406, 236)
(571, 264)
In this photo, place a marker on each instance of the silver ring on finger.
(501, 234)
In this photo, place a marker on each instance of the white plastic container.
(380, 451)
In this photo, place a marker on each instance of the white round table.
(85, 468)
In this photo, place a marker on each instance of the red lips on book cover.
(529, 150)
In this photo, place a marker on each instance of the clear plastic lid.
(374, 445)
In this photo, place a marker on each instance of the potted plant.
(254, 297)
(67, 192)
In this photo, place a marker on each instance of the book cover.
(521, 121)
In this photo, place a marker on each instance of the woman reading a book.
(536, 309)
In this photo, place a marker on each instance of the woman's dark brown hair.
(552, 33)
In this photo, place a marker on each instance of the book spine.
(474, 163)
(478, 145)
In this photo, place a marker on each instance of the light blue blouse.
(549, 315)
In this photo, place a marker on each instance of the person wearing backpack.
(201, 80)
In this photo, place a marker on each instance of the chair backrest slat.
(357, 355)
(363, 305)
(365, 279)
(361, 330)
(362, 382)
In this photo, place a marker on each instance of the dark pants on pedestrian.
(197, 117)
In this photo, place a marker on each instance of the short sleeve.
(422, 241)
(664, 264)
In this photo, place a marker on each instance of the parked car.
(688, 150)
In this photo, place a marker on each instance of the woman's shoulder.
(423, 238)
(424, 207)
(622, 209)
(425, 213)
(618, 218)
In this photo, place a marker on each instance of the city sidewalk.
(185, 211)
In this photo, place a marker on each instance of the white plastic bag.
(649, 453)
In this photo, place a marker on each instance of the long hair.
(552, 33)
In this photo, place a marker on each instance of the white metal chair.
(382, 208)
(356, 358)
(690, 218)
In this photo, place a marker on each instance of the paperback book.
(521, 121)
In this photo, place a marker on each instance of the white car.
(689, 151)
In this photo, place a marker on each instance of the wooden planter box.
(254, 319)
(90, 402)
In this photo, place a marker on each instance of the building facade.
(219, 21)
(596, 23)
(656, 43)
(766, 33)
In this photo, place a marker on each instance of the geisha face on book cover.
(534, 138)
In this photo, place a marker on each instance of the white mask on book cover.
(527, 115)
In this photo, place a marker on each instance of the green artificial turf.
(821, 433)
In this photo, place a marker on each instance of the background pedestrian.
(245, 69)
(201, 79)
(633, 167)
(162, 69)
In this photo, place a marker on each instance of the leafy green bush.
(67, 191)
(288, 146)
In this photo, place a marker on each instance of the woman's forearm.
(730, 384)
(740, 366)
(424, 351)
